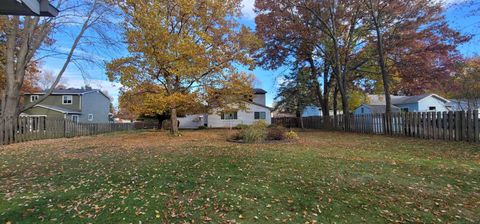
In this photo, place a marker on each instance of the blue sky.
(459, 17)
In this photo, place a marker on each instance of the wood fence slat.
(433, 125)
(458, 124)
(463, 135)
(476, 126)
(469, 126)
(444, 126)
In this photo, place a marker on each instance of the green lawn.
(199, 177)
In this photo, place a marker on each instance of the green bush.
(276, 133)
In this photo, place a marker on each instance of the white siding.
(259, 99)
(244, 117)
(191, 121)
(432, 101)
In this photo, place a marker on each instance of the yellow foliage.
(182, 56)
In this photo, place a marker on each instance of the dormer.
(259, 97)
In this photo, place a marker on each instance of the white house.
(419, 103)
(256, 111)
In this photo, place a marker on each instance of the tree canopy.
(182, 55)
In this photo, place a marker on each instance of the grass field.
(199, 177)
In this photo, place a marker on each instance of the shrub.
(260, 125)
(258, 132)
(254, 133)
(235, 136)
(276, 133)
(291, 135)
(166, 125)
(241, 126)
(202, 127)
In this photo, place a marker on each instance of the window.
(260, 115)
(229, 116)
(75, 118)
(90, 117)
(67, 99)
(33, 98)
(363, 110)
(432, 108)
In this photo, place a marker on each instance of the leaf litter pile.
(151, 177)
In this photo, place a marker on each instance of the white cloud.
(247, 9)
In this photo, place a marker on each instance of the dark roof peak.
(259, 91)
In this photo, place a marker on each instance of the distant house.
(256, 111)
(373, 109)
(79, 105)
(459, 105)
(419, 103)
(314, 111)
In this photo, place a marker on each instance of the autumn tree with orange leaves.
(182, 55)
(467, 81)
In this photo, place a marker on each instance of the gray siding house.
(79, 105)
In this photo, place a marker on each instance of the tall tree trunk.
(381, 62)
(173, 122)
(300, 119)
(326, 97)
(335, 104)
(323, 99)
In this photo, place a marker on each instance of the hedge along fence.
(24, 129)
(450, 126)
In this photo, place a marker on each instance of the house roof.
(70, 91)
(28, 8)
(380, 99)
(58, 109)
(381, 108)
(462, 104)
(261, 105)
(259, 91)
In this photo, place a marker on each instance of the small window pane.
(33, 98)
(260, 115)
(229, 116)
(67, 99)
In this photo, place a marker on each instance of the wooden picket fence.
(24, 129)
(449, 126)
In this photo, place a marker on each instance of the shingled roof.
(259, 91)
